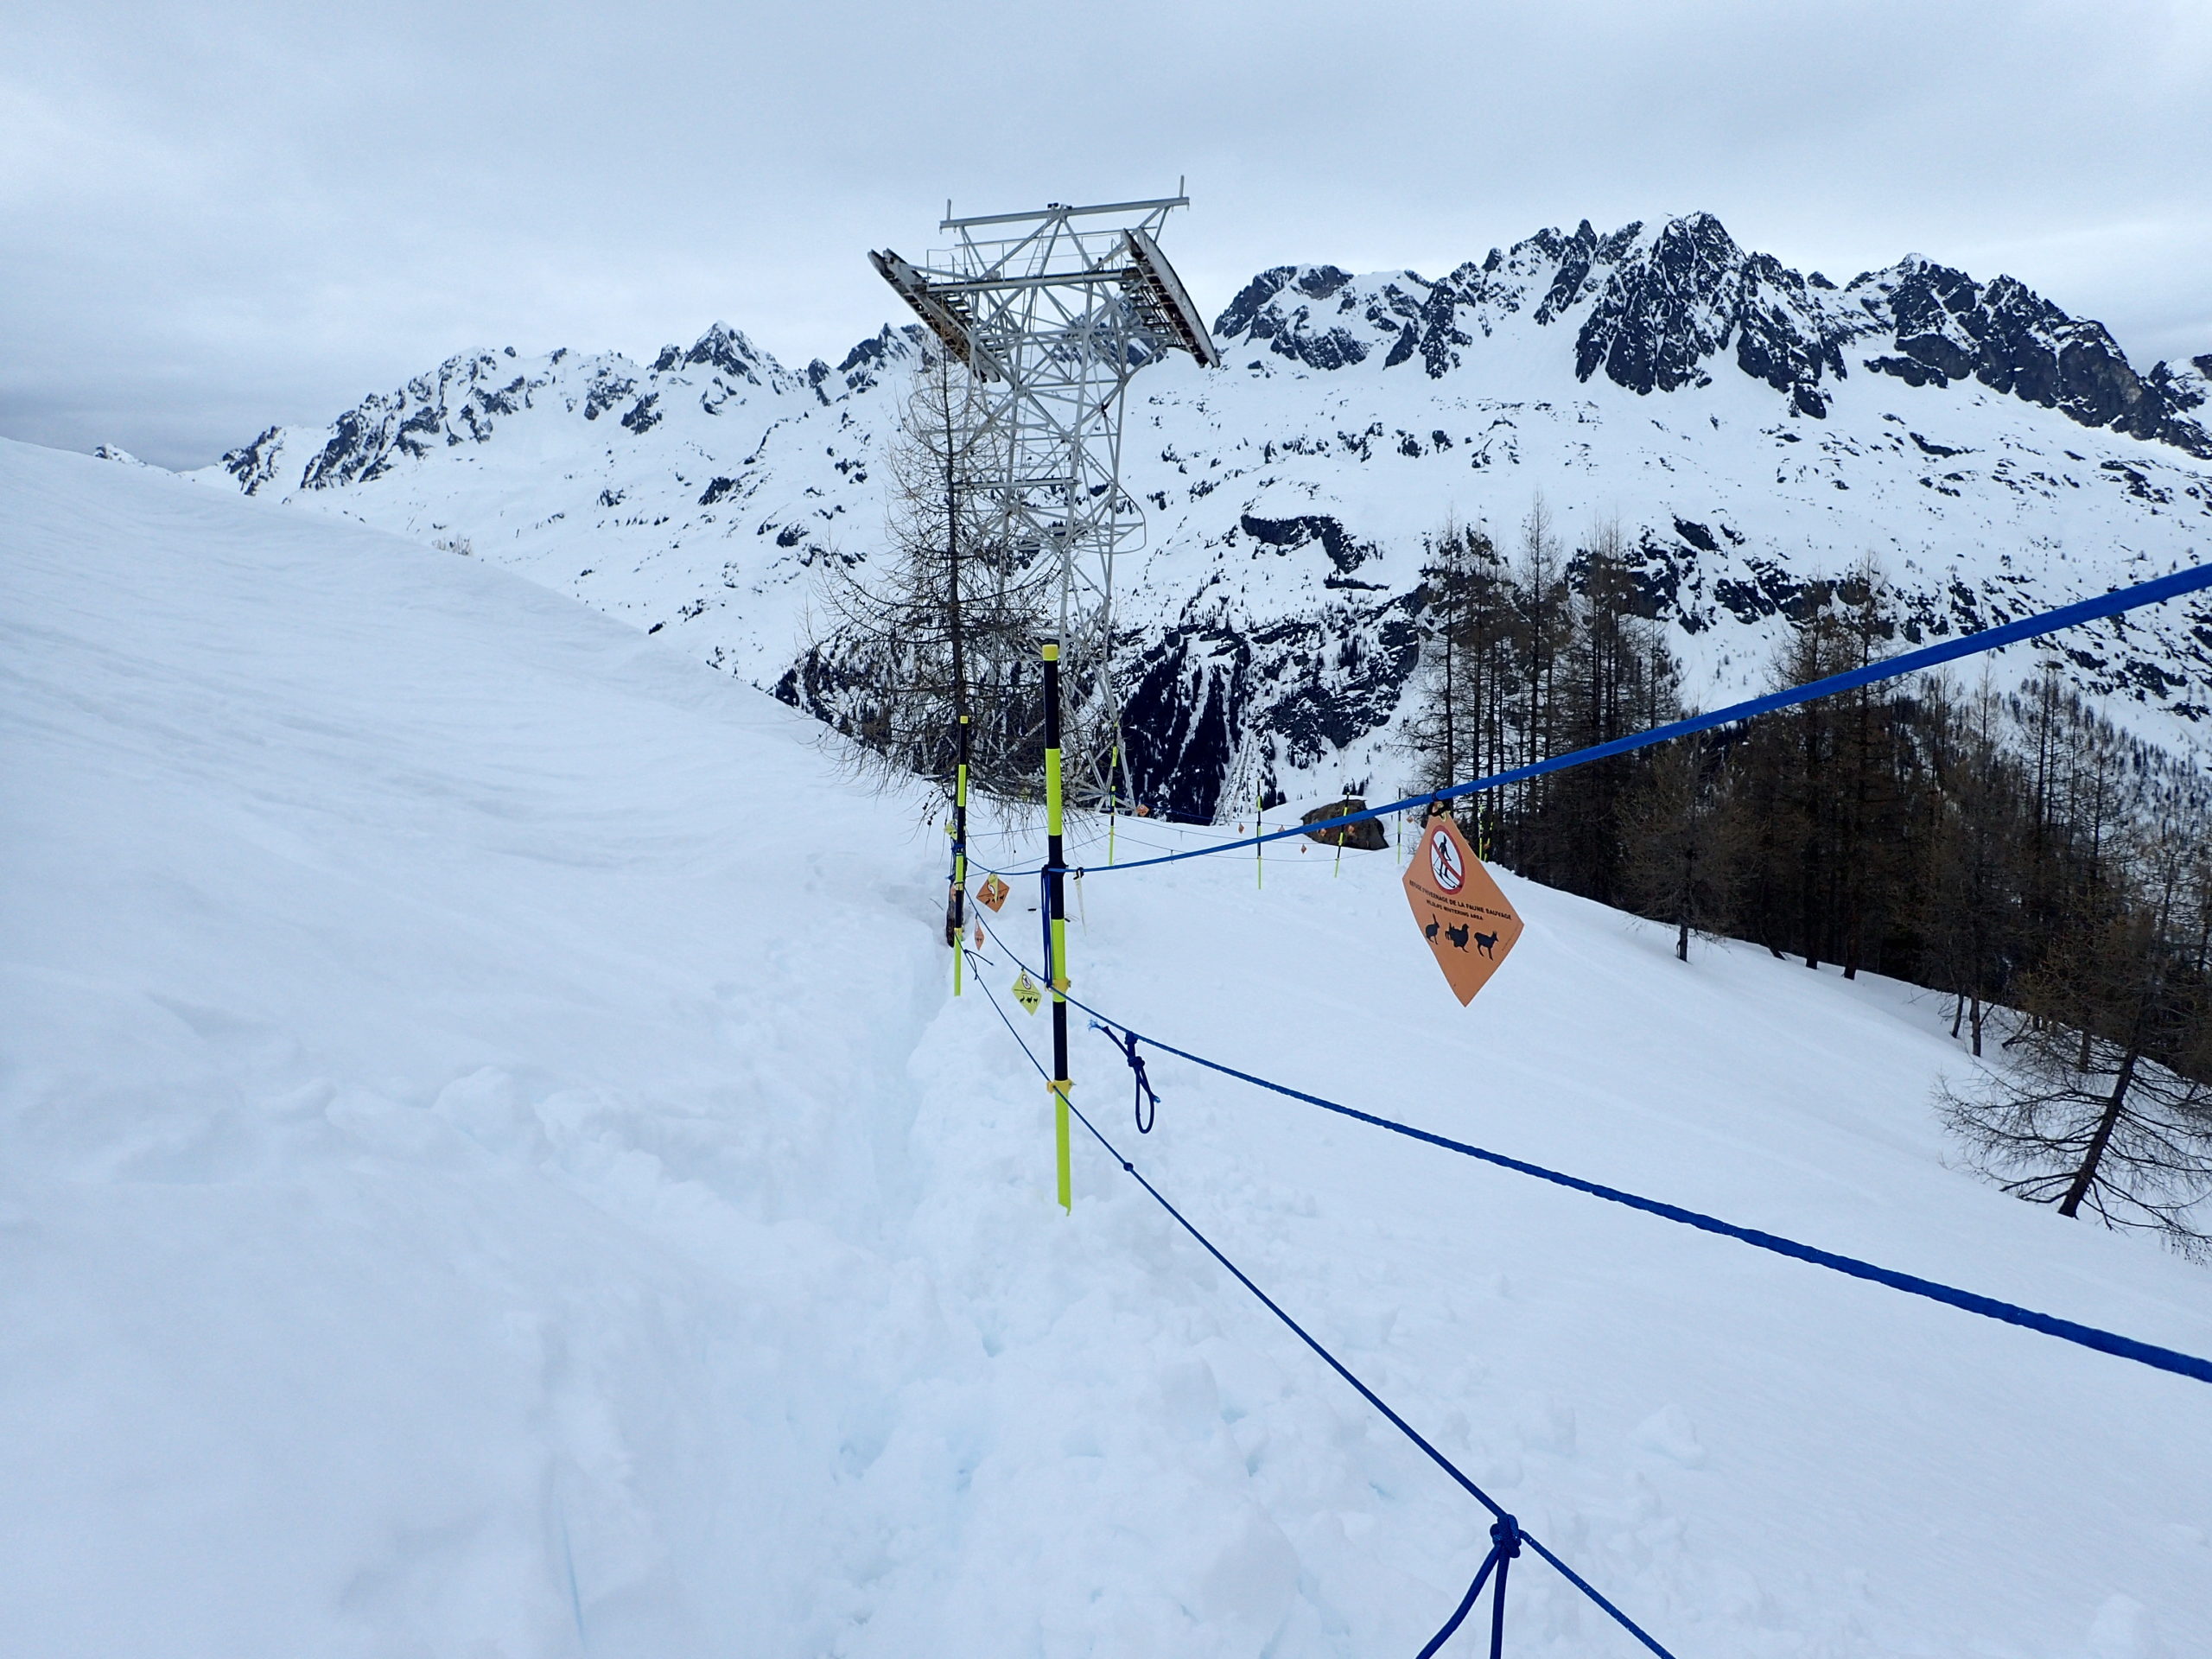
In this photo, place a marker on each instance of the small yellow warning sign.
(1467, 921)
(993, 893)
(1026, 991)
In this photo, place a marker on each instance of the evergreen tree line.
(2011, 849)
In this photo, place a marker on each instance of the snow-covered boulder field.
(491, 1165)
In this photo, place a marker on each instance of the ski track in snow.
(494, 1168)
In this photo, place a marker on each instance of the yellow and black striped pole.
(956, 911)
(1056, 923)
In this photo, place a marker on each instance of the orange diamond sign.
(1467, 921)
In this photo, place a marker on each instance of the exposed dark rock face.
(2012, 341)
(1309, 685)
(1346, 554)
(255, 465)
(607, 391)
(1295, 336)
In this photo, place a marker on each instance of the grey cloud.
(217, 217)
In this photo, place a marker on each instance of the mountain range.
(1751, 431)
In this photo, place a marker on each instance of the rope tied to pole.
(1146, 1096)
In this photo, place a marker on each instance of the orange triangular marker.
(1467, 921)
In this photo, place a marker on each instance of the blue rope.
(1466, 1602)
(2088, 1336)
(1504, 1527)
(1144, 1091)
(1969, 644)
(1505, 1541)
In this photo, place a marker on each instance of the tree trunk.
(2087, 1174)
(1689, 894)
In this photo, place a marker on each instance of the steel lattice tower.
(1052, 312)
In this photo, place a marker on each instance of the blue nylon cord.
(1969, 644)
(1145, 1093)
(1339, 1367)
(1466, 1606)
(2087, 1336)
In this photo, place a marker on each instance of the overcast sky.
(217, 217)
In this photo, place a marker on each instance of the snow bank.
(493, 1168)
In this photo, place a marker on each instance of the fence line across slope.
(2120, 600)
(2087, 1336)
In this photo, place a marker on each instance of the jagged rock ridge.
(1656, 307)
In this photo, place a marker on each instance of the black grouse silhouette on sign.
(1457, 936)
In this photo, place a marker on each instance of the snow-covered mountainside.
(493, 1167)
(1750, 428)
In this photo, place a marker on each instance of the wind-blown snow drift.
(493, 1168)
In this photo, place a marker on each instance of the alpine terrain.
(1749, 428)
(495, 1166)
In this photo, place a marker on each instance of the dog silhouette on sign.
(1457, 935)
(1487, 944)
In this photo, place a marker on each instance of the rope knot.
(1146, 1100)
(1505, 1536)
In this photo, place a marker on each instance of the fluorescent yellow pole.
(1056, 966)
(1111, 804)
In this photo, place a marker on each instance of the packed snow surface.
(494, 1167)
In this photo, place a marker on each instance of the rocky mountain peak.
(1658, 308)
(724, 349)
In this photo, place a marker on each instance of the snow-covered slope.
(494, 1168)
(1751, 427)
